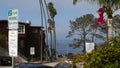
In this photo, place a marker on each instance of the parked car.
(60, 56)
(32, 65)
(5, 61)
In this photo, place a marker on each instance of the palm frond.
(74, 2)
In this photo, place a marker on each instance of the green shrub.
(78, 58)
(105, 56)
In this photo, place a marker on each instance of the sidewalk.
(51, 63)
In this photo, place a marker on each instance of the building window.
(21, 29)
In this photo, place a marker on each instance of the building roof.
(6, 21)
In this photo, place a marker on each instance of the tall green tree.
(82, 28)
(49, 28)
(53, 12)
(46, 19)
(109, 7)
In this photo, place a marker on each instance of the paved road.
(51, 64)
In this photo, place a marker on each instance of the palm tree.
(109, 7)
(53, 12)
(43, 21)
(44, 16)
(50, 31)
(47, 13)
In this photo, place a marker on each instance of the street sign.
(32, 50)
(13, 19)
(89, 47)
(13, 42)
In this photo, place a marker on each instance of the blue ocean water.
(64, 48)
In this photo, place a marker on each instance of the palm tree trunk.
(47, 9)
(47, 28)
(110, 29)
(51, 43)
(46, 20)
(46, 55)
(54, 32)
(54, 40)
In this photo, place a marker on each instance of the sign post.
(32, 51)
(13, 34)
(89, 47)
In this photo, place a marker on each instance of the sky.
(66, 11)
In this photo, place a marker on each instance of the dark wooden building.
(28, 36)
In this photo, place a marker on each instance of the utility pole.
(41, 10)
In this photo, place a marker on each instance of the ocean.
(62, 47)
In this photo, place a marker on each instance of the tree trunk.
(110, 29)
(50, 43)
(54, 40)
(44, 13)
(54, 31)
(84, 50)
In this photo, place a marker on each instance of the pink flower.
(100, 20)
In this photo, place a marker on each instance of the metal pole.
(13, 62)
(41, 47)
(40, 2)
(32, 58)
